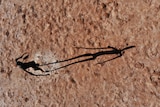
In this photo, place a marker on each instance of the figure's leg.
(36, 74)
(128, 47)
(74, 63)
(38, 68)
(110, 59)
(84, 55)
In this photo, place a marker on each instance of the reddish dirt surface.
(50, 30)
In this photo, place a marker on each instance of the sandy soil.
(50, 30)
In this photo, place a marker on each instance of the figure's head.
(19, 63)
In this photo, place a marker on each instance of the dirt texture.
(50, 30)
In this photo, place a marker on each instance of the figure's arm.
(22, 57)
(18, 58)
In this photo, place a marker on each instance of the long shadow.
(118, 52)
(26, 65)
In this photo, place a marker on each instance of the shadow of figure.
(118, 52)
(27, 65)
